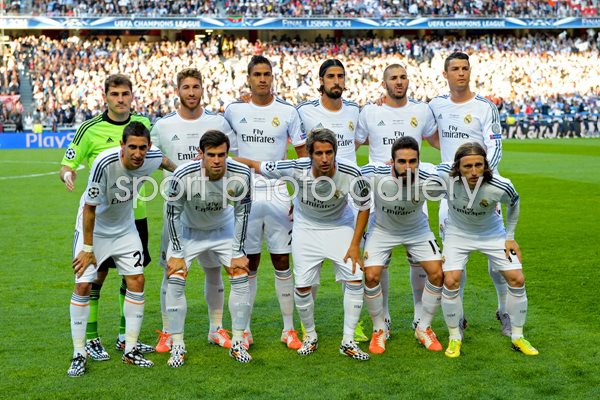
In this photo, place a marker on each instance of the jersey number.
(138, 262)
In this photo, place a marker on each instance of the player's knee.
(303, 290)
(452, 281)
(83, 288)
(372, 277)
(281, 262)
(135, 283)
(436, 277)
(516, 281)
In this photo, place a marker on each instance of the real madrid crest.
(484, 203)
(230, 192)
(413, 122)
(275, 122)
(468, 119)
(351, 125)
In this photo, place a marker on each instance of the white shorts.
(165, 243)
(457, 250)
(269, 215)
(380, 243)
(310, 247)
(212, 248)
(126, 251)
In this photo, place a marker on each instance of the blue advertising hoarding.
(50, 140)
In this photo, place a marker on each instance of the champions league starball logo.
(70, 154)
(93, 192)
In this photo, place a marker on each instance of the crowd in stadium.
(67, 75)
(326, 8)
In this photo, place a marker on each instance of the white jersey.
(330, 209)
(195, 202)
(262, 132)
(477, 218)
(179, 138)
(382, 125)
(343, 123)
(476, 120)
(111, 189)
(398, 206)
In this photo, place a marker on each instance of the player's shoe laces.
(377, 345)
(135, 357)
(352, 350)
(220, 337)
(453, 349)
(359, 333)
(177, 358)
(164, 343)
(428, 339)
(309, 346)
(388, 328)
(142, 347)
(505, 321)
(248, 339)
(239, 353)
(77, 367)
(95, 350)
(523, 346)
(290, 338)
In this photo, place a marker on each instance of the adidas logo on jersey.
(197, 196)
(381, 123)
(243, 121)
(114, 185)
(319, 126)
(439, 116)
(174, 138)
(109, 140)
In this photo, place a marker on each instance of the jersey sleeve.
(155, 136)
(296, 131)
(277, 169)
(492, 136)
(430, 124)
(362, 132)
(227, 130)
(77, 151)
(241, 215)
(510, 196)
(95, 192)
(361, 192)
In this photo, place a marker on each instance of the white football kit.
(323, 221)
(112, 188)
(262, 133)
(343, 123)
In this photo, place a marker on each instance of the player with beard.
(177, 134)
(380, 126)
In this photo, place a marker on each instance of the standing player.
(464, 116)
(380, 127)
(203, 226)
(474, 225)
(105, 229)
(262, 128)
(324, 228)
(400, 220)
(177, 134)
(94, 136)
(338, 115)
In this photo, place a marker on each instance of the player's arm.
(175, 203)
(239, 261)
(301, 151)
(86, 255)
(252, 164)
(492, 136)
(434, 140)
(68, 176)
(77, 151)
(167, 164)
(512, 201)
(361, 136)
(353, 252)
(297, 134)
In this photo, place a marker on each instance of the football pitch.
(559, 235)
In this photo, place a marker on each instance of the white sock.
(452, 307)
(353, 302)
(501, 287)
(176, 305)
(163, 306)
(134, 315)
(374, 303)
(214, 294)
(80, 312)
(284, 287)
(432, 297)
(306, 310)
(239, 306)
(418, 279)
(252, 286)
(516, 307)
(384, 282)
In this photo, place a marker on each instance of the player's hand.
(354, 254)
(69, 178)
(246, 97)
(82, 261)
(240, 263)
(381, 100)
(175, 265)
(511, 249)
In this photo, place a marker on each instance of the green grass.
(559, 184)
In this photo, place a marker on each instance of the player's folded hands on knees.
(354, 254)
(237, 265)
(175, 265)
(82, 261)
(512, 249)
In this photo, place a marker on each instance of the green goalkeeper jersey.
(96, 135)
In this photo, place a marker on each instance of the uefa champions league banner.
(51, 140)
(233, 23)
